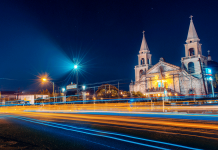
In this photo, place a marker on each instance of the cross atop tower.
(192, 34)
(209, 57)
(144, 45)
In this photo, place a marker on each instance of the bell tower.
(144, 59)
(193, 52)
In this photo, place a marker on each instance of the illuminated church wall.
(183, 81)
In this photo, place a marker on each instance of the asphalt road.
(34, 130)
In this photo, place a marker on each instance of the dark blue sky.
(44, 36)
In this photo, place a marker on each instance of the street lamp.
(44, 80)
(165, 94)
(76, 68)
(211, 82)
(209, 74)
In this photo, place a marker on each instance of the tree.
(133, 93)
(46, 92)
(107, 91)
(101, 93)
(71, 98)
(39, 92)
(126, 93)
(113, 93)
(137, 94)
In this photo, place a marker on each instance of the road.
(107, 130)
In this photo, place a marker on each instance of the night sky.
(44, 36)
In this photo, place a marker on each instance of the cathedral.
(161, 78)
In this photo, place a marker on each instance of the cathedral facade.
(153, 80)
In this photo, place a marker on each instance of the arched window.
(191, 67)
(148, 61)
(191, 91)
(191, 52)
(142, 61)
(140, 73)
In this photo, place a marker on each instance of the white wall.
(29, 98)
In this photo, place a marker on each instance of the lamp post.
(165, 95)
(77, 90)
(44, 80)
(83, 93)
(64, 94)
(212, 87)
(210, 78)
(211, 82)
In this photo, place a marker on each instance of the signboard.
(209, 74)
(208, 71)
(71, 86)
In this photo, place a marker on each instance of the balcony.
(195, 56)
(139, 66)
(184, 58)
(159, 89)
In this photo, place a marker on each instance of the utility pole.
(77, 78)
(77, 87)
(118, 90)
(105, 91)
(173, 83)
(53, 91)
(94, 90)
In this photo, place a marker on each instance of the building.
(12, 97)
(8, 95)
(32, 97)
(153, 80)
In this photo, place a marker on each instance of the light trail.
(144, 123)
(127, 115)
(47, 124)
(122, 107)
(142, 120)
(76, 129)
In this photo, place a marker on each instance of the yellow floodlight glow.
(44, 79)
